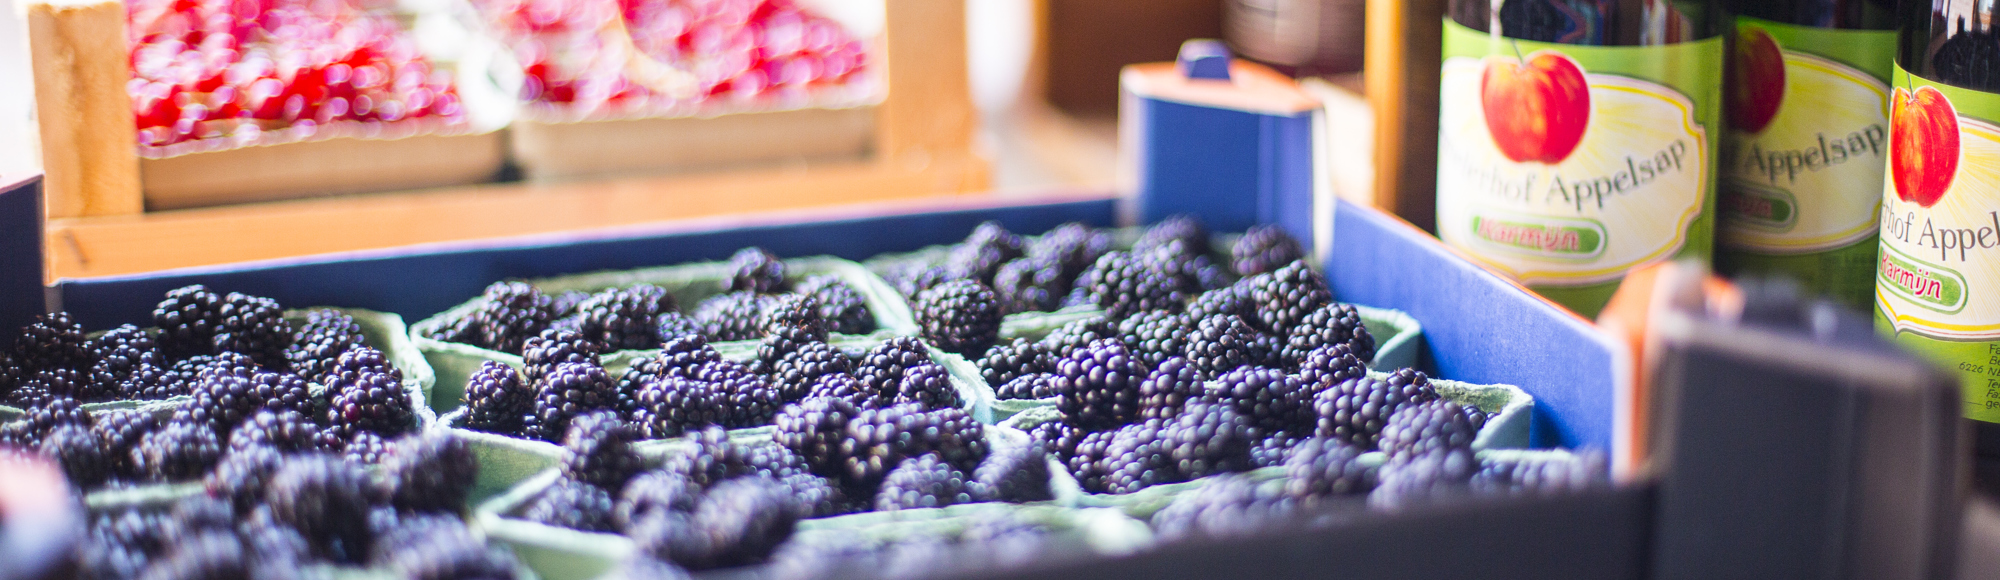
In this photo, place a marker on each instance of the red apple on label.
(1756, 80)
(1537, 110)
(1923, 145)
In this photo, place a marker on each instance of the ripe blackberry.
(149, 382)
(732, 316)
(672, 325)
(1184, 228)
(120, 350)
(1124, 285)
(495, 399)
(747, 399)
(510, 313)
(178, 451)
(925, 481)
(572, 504)
(556, 346)
(1330, 365)
(959, 317)
(928, 385)
(915, 279)
(1477, 417)
(254, 326)
(798, 371)
(1285, 296)
(1356, 410)
(844, 310)
(625, 318)
(1086, 458)
(756, 270)
(430, 472)
(1277, 402)
(363, 447)
(188, 319)
(52, 341)
(370, 401)
(715, 459)
(1073, 245)
(1068, 338)
(1331, 324)
(1058, 437)
(283, 390)
(1224, 343)
(1265, 248)
(283, 430)
(1223, 507)
(1427, 427)
(1208, 438)
(445, 550)
(789, 323)
(324, 498)
(121, 544)
(318, 343)
(981, 254)
(212, 555)
(1272, 450)
(656, 493)
(1189, 267)
(817, 496)
(1014, 474)
(68, 382)
(878, 439)
(568, 391)
(53, 411)
(120, 430)
(991, 234)
(1138, 456)
(1035, 386)
(1411, 480)
(565, 303)
(463, 329)
(816, 429)
(674, 405)
(848, 389)
(1099, 386)
(242, 475)
(1168, 388)
(741, 521)
(1157, 335)
(357, 361)
(1232, 299)
(181, 377)
(598, 450)
(82, 455)
(680, 357)
(1033, 284)
(881, 368)
(1324, 467)
(1542, 475)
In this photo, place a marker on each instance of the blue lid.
(1204, 58)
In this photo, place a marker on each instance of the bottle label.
(1565, 166)
(1937, 279)
(1808, 134)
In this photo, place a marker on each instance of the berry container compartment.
(689, 284)
(558, 553)
(507, 460)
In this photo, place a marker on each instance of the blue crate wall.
(21, 293)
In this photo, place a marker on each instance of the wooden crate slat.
(88, 136)
(317, 168)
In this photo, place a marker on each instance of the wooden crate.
(916, 142)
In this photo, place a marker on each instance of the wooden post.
(87, 144)
(1404, 43)
(928, 112)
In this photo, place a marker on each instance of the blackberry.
(598, 450)
(51, 412)
(1068, 338)
(1272, 450)
(1058, 437)
(1411, 480)
(1542, 475)
(1184, 228)
(741, 521)
(1356, 410)
(816, 429)
(445, 550)
(181, 377)
(881, 368)
(1188, 267)
(117, 352)
(68, 382)
(848, 389)
(1004, 362)
(674, 405)
(1138, 456)
(121, 430)
(510, 313)
(1208, 438)
(756, 270)
(1099, 386)
(565, 303)
(991, 234)
(673, 325)
(81, 453)
(916, 279)
(1223, 507)
(282, 430)
(1265, 248)
(1476, 417)
(356, 362)
(568, 391)
(52, 341)
(283, 390)
(1331, 324)
(878, 439)
(1224, 343)
(1277, 402)
(276, 550)
(242, 476)
(318, 344)
(625, 318)
(556, 346)
(188, 319)
(364, 447)
(1035, 386)
(981, 254)
(1014, 474)
(370, 401)
(254, 326)
(928, 385)
(1086, 458)
(1331, 365)
(211, 555)
(1168, 388)
(1285, 296)
(198, 513)
(817, 496)
(150, 382)
(797, 373)
(747, 399)
(844, 310)
(1325, 467)
(680, 357)
(1124, 285)
(495, 399)
(716, 459)
(430, 472)
(790, 323)
(1072, 245)
(324, 498)
(925, 481)
(1427, 427)
(732, 316)
(461, 329)
(1232, 299)
(652, 494)
(121, 544)
(1030, 285)
(960, 317)
(1157, 335)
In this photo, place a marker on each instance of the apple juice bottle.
(1807, 105)
(1937, 284)
(1577, 138)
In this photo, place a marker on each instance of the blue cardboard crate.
(1480, 328)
